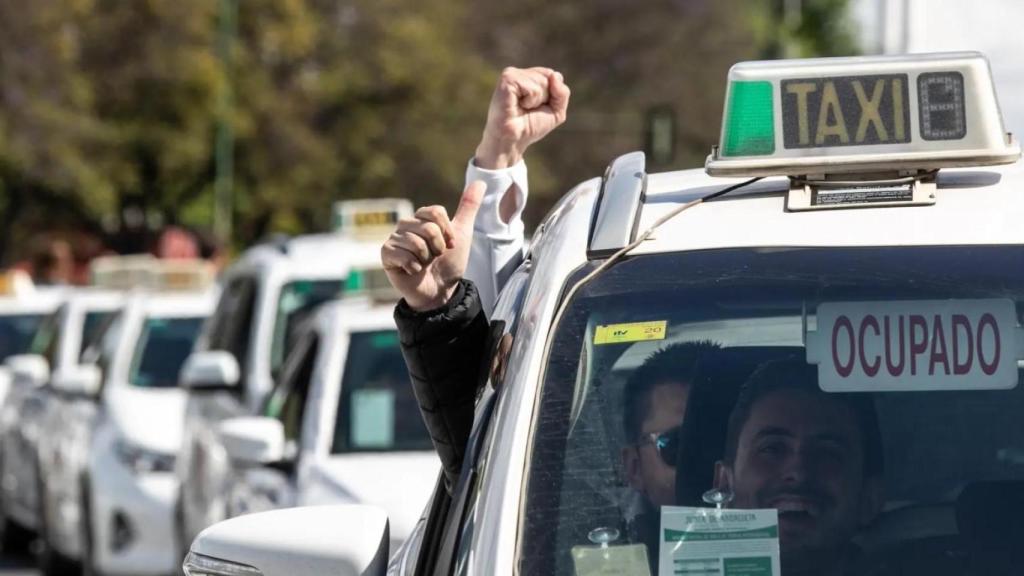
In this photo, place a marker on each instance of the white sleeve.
(497, 246)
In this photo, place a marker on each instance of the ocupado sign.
(916, 345)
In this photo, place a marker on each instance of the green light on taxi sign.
(354, 281)
(750, 121)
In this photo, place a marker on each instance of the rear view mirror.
(31, 368)
(83, 379)
(349, 540)
(253, 439)
(210, 370)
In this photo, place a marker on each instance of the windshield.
(869, 397)
(162, 348)
(377, 411)
(296, 302)
(16, 333)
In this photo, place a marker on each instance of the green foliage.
(104, 102)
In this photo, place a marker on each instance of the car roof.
(356, 316)
(179, 304)
(311, 252)
(972, 206)
(95, 298)
(35, 302)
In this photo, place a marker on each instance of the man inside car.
(814, 457)
(655, 399)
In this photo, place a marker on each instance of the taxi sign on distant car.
(371, 217)
(908, 346)
(145, 271)
(863, 114)
(15, 282)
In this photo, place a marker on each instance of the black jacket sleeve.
(445, 351)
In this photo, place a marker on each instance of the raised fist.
(527, 104)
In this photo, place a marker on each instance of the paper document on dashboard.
(710, 542)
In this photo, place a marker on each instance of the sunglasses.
(666, 443)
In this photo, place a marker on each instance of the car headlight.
(199, 565)
(143, 461)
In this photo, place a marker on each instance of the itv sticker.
(632, 332)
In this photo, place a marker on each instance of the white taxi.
(341, 426)
(266, 295)
(54, 358)
(107, 461)
(23, 306)
(820, 360)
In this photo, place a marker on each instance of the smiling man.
(815, 457)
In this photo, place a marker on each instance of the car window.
(296, 302)
(867, 394)
(93, 328)
(160, 351)
(377, 410)
(17, 332)
(231, 323)
(287, 402)
(45, 340)
(103, 343)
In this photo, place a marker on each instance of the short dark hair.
(795, 374)
(677, 362)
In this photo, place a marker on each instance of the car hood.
(150, 418)
(399, 482)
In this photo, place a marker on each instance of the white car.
(266, 294)
(55, 355)
(23, 308)
(850, 329)
(341, 426)
(107, 463)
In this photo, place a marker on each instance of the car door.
(203, 463)
(440, 544)
(274, 485)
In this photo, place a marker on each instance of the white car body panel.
(86, 433)
(398, 482)
(26, 409)
(973, 207)
(203, 468)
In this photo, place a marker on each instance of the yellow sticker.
(633, 332)
(629, 560)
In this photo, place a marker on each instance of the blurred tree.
(351, 99)
(811, 28)
(108, 108)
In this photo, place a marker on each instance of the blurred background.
(198, 127)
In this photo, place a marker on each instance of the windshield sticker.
(719, 541)
(607, 560)
(920, 345)
(373, 418)
(632, 332)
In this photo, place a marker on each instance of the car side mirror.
(32, 368)
(82, 380)
(349, 540)
(253, 439)
(210, 370)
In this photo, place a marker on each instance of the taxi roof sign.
(860, 114)
(147, 272)
(370, 217)
(15, 282)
